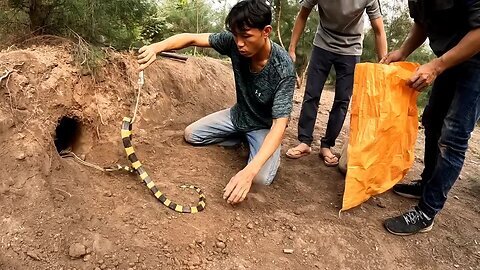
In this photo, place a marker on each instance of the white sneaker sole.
(427, 229)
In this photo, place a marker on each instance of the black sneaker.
(411, 190)
(412, 222)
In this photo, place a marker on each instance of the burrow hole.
(67, 133)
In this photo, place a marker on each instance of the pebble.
(221, 245)
(87, 258)
(300, 211)
(107, 193)
(77, 250)
(250, 225)
(196, 260)
(221, 238)
(293, 228)
(20, 156)
(380, 203)
(34, 255)
(287, 251)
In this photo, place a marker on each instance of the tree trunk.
(196, 14)
(38, 13)
(278, 11)
(304, 75)
(278, 7)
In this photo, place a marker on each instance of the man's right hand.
(394, 56)
(147, 56)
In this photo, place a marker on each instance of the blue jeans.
(218, 128)
(449, 118)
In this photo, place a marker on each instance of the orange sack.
(383, 130)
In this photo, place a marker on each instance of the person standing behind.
(337, 43)
(453, 107)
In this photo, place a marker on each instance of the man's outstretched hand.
(147, 56)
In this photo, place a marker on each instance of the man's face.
(251, 40)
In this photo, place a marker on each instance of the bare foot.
(329, 158)
(299, 151)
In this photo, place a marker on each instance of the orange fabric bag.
(383, 130)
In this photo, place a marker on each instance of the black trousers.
(318, 69)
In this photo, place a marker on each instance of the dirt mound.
(49, 105)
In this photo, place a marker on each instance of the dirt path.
(58, 214)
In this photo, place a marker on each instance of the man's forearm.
(381, 44)
(415, 39)
(181, 41)
(380, 37)
(298, 28)
(269, 146)
(464, 50)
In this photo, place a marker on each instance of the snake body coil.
(126, 133)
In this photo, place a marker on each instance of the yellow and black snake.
(139, 168)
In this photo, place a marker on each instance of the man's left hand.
(425, 75)
(238, 187)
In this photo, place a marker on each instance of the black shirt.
(446, 21)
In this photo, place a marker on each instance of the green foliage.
(288, 12)
(184, 16)
(109, 22)
(89, 58)
(116, 23)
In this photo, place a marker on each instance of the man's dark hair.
(248, 14)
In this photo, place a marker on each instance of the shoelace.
(412, 217)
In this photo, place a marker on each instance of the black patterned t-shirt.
(262, 96)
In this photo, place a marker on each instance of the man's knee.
(455, 135)
(267, 174)
(190, 136)
(264, 178)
